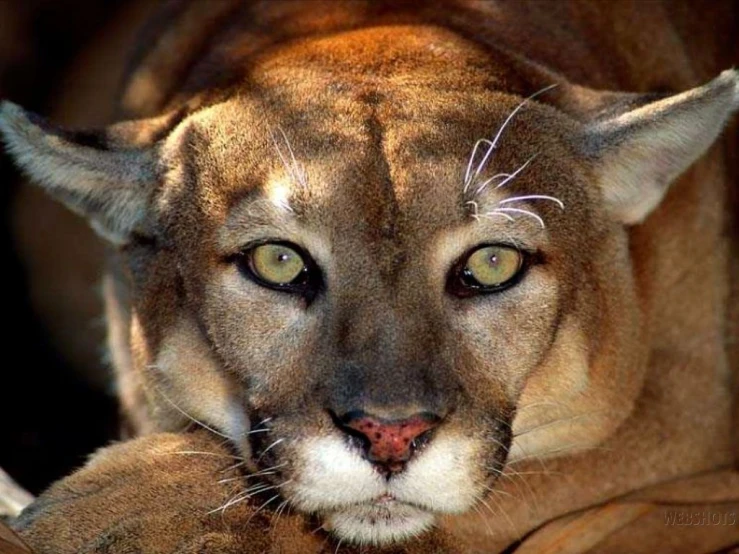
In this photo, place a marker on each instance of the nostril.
(389, 443)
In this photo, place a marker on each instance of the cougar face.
(381, 385)
(383, 282)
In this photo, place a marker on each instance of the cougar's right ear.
(107, 176)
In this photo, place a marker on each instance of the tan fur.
(347, 128)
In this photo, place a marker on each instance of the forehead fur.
(388, 164)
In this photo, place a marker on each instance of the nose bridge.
(391, 359)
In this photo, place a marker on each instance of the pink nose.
(391, 443)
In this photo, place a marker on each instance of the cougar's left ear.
(106, 176)
(639, 152)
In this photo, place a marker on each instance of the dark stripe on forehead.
(386, 202)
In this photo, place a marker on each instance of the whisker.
(275, 497)
(254, 431)
(523, 212)
(484, 518)
(278, 441)
(501, 511)
(299, 172)
(539, 404)
(195, 452)
(191, 418)
(498, 213)
(566, 448)
(498, 491)
(247, 476)
(500, 444)
(556, 421)
(516, 110)
(490, 180)
(235, 466)
(246, 494)
(266, 471)
(475, 209)
(513, 175)
(278, 513)
(282, 158)
(481, 166)
(533, 500)
(547, 472)
(467, 179)
(533, 197)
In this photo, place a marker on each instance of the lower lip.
(384, 500)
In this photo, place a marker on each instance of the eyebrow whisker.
(533, 197)
(299, 173)
(493, 178)
(498, 212)
(515, 173)
(467, 176)
(517, 109)
(523, 212)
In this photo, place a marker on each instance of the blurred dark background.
(51, 415)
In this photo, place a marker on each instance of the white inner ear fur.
(639, 153)
(108, 186)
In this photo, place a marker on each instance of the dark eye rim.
(462, 284)
(307, 283)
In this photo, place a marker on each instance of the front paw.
(157, 494)
(175, 494)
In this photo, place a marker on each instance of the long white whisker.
(467, 176)
(492, 145)
(298, 171)
(513, 175)
(548, 424)
(275, 497)
(475, 209)
(533, 197)
(247, 476)
(248, 493)
(483, 163)
(524, 212)
(516, 110)
(498, 213)
(184, 413)
(195, 452)
(254, 431)
(278, 441)
(287, 166)
(488, 181)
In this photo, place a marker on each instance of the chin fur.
(378, 524)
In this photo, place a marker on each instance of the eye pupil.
(279, 266)
(488, 268)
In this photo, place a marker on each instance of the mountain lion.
(408, 266)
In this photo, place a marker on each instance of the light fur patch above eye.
(278, 192)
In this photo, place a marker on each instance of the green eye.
(277, 264)
(491, 268)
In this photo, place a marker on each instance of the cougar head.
(380, 275)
